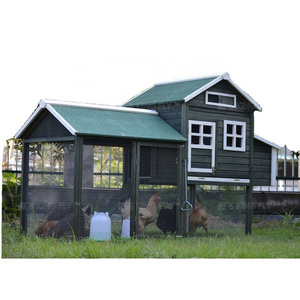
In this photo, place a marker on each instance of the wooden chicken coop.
(80, 158)
(173, 139)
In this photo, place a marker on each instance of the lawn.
(272, 242)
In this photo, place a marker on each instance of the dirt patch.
(218, 223)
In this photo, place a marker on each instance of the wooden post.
(192, 200)
(248, 222)
(248, 219)
(298, 170)
(77, 198)
(135, 174)
(24, 187)
(180, 192)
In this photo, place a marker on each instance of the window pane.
(47, 163)
(195, 140)
(229, 129)
(195, 128)
(239, 129)
(238, 143)
(229, 141)
(108, 167)
(227, 100)
(213, 98)
(207, 129)
(207, 141)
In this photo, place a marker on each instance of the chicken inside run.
(50, 209)
(158, 217)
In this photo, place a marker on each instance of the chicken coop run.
(83, 159)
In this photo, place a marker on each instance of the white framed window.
(234, 136)
(202, 135)
(220, 99)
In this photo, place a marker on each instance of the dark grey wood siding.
(229, 164)
(262, 163)
(46, 126)
(171, 113)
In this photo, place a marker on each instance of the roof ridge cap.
(44, 102)
(224, 75)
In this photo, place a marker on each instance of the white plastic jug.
(100, 228)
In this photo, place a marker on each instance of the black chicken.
(166, 220)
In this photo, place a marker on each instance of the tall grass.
(274, 242)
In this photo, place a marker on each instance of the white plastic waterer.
(126, 228)
(100, 228)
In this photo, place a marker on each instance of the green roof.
(115, 122)
(169, 92)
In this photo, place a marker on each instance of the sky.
(106, 52)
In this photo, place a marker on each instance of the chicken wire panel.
(105, 180)
(161, 202)
(157, 190)
(158, 165)
(225, 205)
(49, 202)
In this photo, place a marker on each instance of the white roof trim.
(224, 76)
(267, 142)
(202, 89)
(250, 99)
(46, 104)
(99, 106)
(28, 122)
(67, 125)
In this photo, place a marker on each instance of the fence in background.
(287, 179)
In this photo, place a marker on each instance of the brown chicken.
(147, 214)
(59, 222)
(198, 217)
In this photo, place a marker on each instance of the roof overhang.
(104, 120)
(226, 77)
(273, 145)
(47, 104)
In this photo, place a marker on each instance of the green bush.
(11, 197)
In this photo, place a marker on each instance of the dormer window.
(220, 99)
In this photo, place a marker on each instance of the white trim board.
(207, 93)
(218, 179)
(211, 147)
(28, 122)
(267, 142)
(67, 125)
(44, 102)
(234, 136)
(224, 76)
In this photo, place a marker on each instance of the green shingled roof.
(115, 123)
(169, 92)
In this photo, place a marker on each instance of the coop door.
(202, 137)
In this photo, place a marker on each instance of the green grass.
(272, 242)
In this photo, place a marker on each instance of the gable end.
(46, 126)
